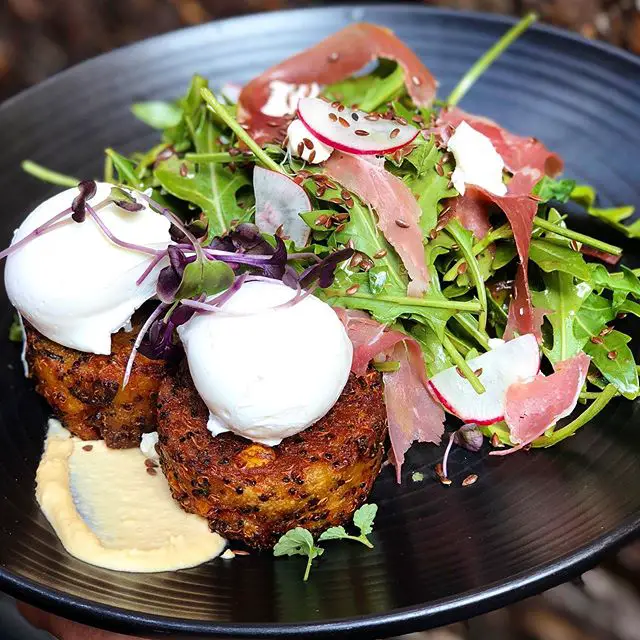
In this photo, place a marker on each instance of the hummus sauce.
(109, 511)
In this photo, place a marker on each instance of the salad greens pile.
(202, 171)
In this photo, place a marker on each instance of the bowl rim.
(402, 620)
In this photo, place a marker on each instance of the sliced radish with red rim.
(351, 130)
(510, 362)
(279, 203)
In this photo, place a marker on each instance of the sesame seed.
(469, 480)
(87, 447)
(312, 156)
(415, 80)
(333, 117)
(343, 122)
(352, 289)
(612, 355)
(380, 254)
(394, 133)
(361, 132)
(402, 223)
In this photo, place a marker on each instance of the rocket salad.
(443, 241)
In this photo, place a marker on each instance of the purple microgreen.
(214, 304)
(445, 459)
(152, 265)
(124, 200)
(324, 272)
(55, 223)
(87, 190)
(136, 345)
(204, 276)
(469, 437)
(120, 243)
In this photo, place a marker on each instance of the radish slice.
(351, 130)
(513, 361)
(279, 203)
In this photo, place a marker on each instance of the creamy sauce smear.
(107, 510)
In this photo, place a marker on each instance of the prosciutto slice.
(532, 407)
(601, 255)
(412, 413)
(398, 210)
(335, 58)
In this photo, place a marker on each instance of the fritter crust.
(84, 389)
(254, 493)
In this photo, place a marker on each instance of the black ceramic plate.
(531, 521)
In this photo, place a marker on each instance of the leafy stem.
(488, 58)
(434, 303)
(462, 365)
(47, 175)
(466, 321)
(578, 237)
(223, 113)
(391, 85)
(587, 415)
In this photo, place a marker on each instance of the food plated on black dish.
(425, 251)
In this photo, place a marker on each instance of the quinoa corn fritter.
(84, 389)
(254, 493)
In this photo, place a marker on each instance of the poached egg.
(73, 284)
(250, 362)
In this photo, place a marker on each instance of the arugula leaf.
(563, 299)
(503, 255)
(363, 519)
(594, 315)
(158, 114)
(192, 105)
(624, 282)
(427, 183)
(614, 359)
(435, 357)
(549, 189)
(371, 90)
(584, 194)
(212, 188)
(126, 169)
(298, 541)
(205, 276)
(551, 256)
(615, 216)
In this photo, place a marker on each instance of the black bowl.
(441, 554)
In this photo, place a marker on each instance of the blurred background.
(40, 37)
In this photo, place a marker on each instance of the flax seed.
(401, 120)
(321, 220)
(351, 244)
(596, 340)
(151, 471)
(469, 480)
(478, 372)
(341, 108)
(439, 170)
(335, 104)
(340, 227)
(361, 132)
(336, 201)
(372, 117)
(307, 143)
(402, 223)
(320, 190)
(606, 331)
(356, 260)
(343, 122)
(87, 447)
(463, 268)
(312, 156)
(150, 463)
(394, 133)
(612, 355)
(380, 254)
(300, 148)
(352, 289)
(341, 217)
(333, 117)
(459, 372)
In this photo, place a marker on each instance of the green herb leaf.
(615, 361)
(417, 476)
(435, 356)
(594, 315)
(563, 299)
(363, 518)
(584, 194)
(298, 541)
(549, 189)
(15, 330)
(212, 188)
(126, 169)
(551, 256)
(333, 533)
(158, 114)
(615, 216)
(624, 282)
(205, 276)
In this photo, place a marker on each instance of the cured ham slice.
(412, 413)
(397, 209)
(601, 255)
(337, 57)
(532, 407)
